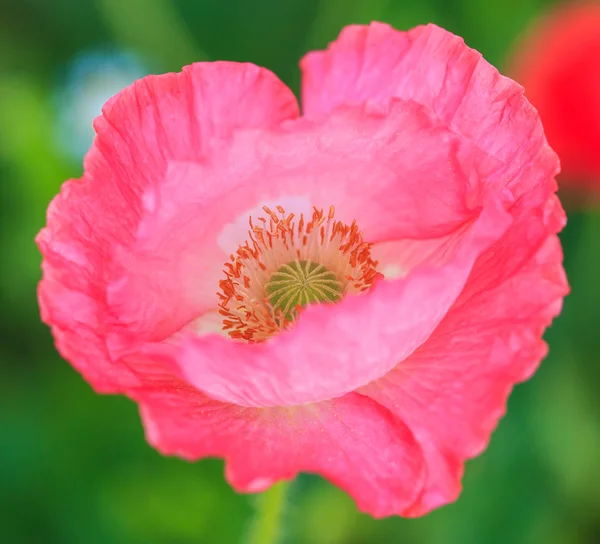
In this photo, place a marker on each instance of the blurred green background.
(74, 466)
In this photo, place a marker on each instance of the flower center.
(300, 283)
(287, 264)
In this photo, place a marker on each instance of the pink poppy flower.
(557, 63)
(352, 292)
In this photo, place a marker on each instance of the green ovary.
(299, 283)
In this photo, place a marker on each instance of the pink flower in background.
(351, 292)
(557, 62)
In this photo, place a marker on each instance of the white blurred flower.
(91, 78)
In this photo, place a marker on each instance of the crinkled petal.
(373, 64)
(71, 293)
(452, 391)
(352, 441)
(156, 120)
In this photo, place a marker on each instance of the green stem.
(267, 524)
